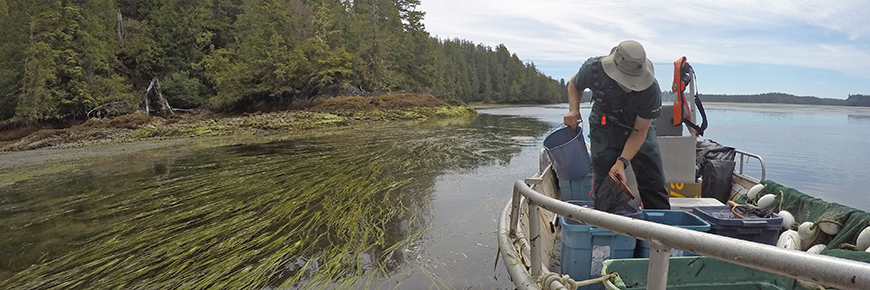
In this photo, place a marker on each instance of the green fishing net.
(807, 208)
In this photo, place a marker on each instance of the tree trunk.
(165, 108)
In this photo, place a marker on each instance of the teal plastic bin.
(677, 218)
(585, 248)
(567, 151)
(578, 189)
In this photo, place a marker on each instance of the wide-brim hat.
(627, 64)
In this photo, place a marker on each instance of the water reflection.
(331, 210)
(859, 119)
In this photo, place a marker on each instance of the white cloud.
(809, 34)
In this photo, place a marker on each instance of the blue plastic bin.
(578, 189)
(585, 248)
(723, 222)
(567, 150)
(677, 218)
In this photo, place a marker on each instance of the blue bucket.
(567, 150)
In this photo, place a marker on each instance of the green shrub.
(183, 91)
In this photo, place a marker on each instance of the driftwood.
(165, 109)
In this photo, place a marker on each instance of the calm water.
(822, 151)
(405, 206)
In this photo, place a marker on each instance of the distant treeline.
(780, 98)
(72, 59)
(858, 100)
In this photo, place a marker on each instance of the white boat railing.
(825, 270)
(745, 156)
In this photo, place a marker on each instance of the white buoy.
(789, 239)
(787, 219)
(810, 285)
(809, 234)
(753, 192)
(828, 227)
(863, 241)
(816, 249)
(807, 231)
(766, 200)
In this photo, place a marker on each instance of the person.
(626, 99)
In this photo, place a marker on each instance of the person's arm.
(632, 145)
(573, 117)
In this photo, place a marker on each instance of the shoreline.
(160, 136)
(140, 126)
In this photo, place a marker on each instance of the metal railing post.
(535, 238)
(659, 261)
(515, 211)
(744, 157)
(511, 258)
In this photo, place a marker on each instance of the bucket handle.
(562, 125)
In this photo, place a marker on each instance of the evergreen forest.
(77, 59)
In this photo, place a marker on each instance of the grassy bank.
(139, 126)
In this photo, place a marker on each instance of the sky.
(805, 48)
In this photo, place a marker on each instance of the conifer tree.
(68, 58)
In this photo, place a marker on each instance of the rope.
(569, 283)
(781, 199)
(564, 279)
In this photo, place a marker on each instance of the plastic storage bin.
(578, 189)
(584, 247)
(723, 222)
(701, 273)
(677, 218)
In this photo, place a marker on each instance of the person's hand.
(618, 169)
(572, 119)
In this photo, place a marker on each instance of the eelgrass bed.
(325, 212)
